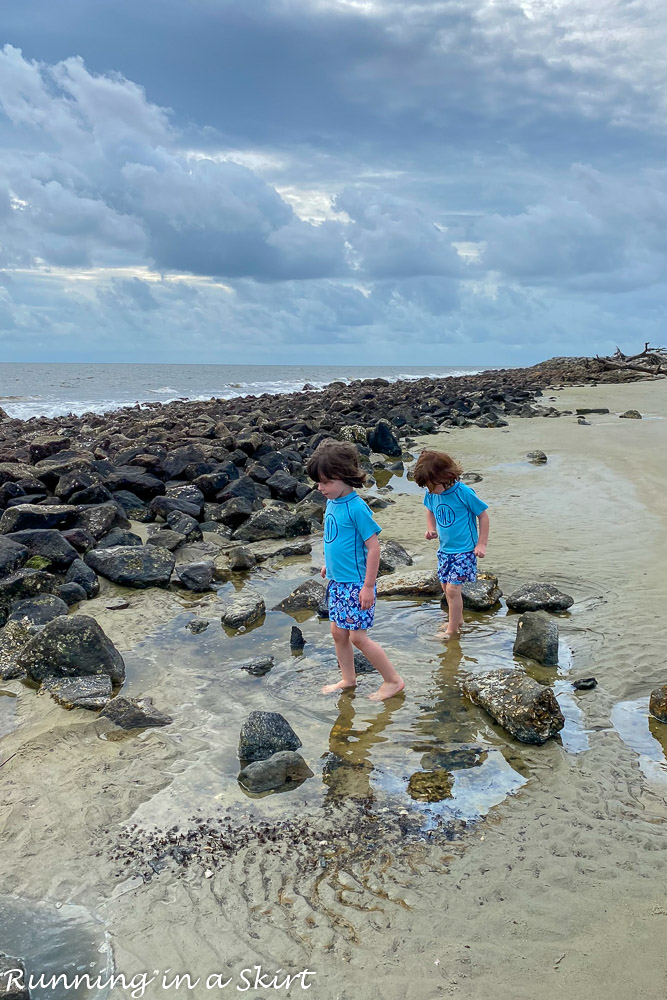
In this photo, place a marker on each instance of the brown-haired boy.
(352, 558)
(453, 513)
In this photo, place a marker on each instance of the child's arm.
(483, 521)
(367, 595)
(431, 526)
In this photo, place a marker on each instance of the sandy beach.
(552, 881)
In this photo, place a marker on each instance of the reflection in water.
(348, 767)
(643, 734)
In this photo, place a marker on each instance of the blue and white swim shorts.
(344, 608)
(457, 567)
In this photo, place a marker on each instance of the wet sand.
(558, 886)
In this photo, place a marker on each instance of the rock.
(197, 576)
(216, 528)
(234, 512)
(631, 415)
(272, 522)
(117, 604)
(134, 713)
(184, 524)
(355, 433)
(244, 609)
(46, 445)
(133, 566)
(581, 410)
(537, 638)
(362, 665)
(72, 593)
(118, 536)
(283, 485)
(71, 646)
(657, 705)
(197, 625)
(383, 440)
(14, 472)
(284, 768)
(393, 555)
(13, 978)
(471, 477)
(47, 543)
(26, 583)
(13, 637)
(266, 733)
(430, 786)
(241, 557)
(26, 516)
(84, 576)
(99, 519)
(38, 610)
(536, 457)
(167, 539)
(296, 639)
(91, 691)
(12, 555)
(136, 480)
(164, 506)
(419, 583)
(306, 597)
(482, 595)
(280, 548)
(527, 710)
(80, 539)
(257, 666)
(539, 597)
(583, 421)
(585, 684)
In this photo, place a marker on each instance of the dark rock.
(13, 637)
(14, 472)
(296, 639)
(258, 665)
(536, 457)
(48, 543)
(583, 421)
(393, 555)
(163, 506)
(76, 481)
(10, 491)
(383, 439)
(631, 415)
(92, 691)
(135, 508)
(136, 480)
(537, 638)
(657, 705)
(37, 610)
(188, 492)
(266, 733)
(134, 713)
(47, 445)
(460, 758)
(243, 609)
(80, 539)
(84, 576)
(167, 539)
(471, 477)
(72, 593)
(418, 583)
(26, 583)
(42, 516)
(211, 483)
(216, 528)
(244, 487)
(99, 519)
(582, 410)
(71, 646)
(272, 522)
(306, 597)
(283, 485)
(539, 597)
(12, 555)
(527, 710)
(197, 626)
(482, 595)
(362, 665)
(95, 494)
(281, 770)
(235, 511)
(117, 604)
(196, 576)
(585, 684)
(184, 524)
(241, 557)
(133, 566)
(118, 536)
(13, 978)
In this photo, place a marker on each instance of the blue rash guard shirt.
(456, 511)
(348, 523)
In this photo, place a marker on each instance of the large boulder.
(280, 770)
(526, 709)
(86, 577)
(419, 583)
(657, 705)
(92, 691)
(46, 445)
(27, 515)
(197, 576)
(266, 733)
(184, 524)
(167, 539)
(537, 638)
(14, 472)
(383, 439)
(99, 519)
(71, 646)
(119, 536)
(283, 485)
(539, 597)
(243, 609)
(37, 610)
(12, 555)
(234, 512)
(49, 543)
(133, 565)
(393, 555)
(480, 595)
(136, 480)
(306, 597)
(134, 713)
(163, 506)
(26, 583)
(272, 522)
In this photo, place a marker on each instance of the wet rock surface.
(243, 609)
(658, 703)
(91, 691)
(264, 734)
(393, 556)
(537, 638)
(539, 597)
(480, 595)
(306, 597)
(133, 566)
(527, 710)
(418, 583)
(71, 646)
(258, 665)
(134, 713)
(282, 769)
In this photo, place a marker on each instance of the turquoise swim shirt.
(348, 523)
(456, 511)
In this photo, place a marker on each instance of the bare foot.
(446, 634)
(340, 686)
(387, 690)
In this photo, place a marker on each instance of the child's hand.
(323, 572)
(428, 535)
(480, 550)
(366, 597)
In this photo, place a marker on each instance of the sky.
(453, 182)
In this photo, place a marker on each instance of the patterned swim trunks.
(457, 567)
(344, 608)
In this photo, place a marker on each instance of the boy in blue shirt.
(456, 515)
(352, 559)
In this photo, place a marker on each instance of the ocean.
(50, 390)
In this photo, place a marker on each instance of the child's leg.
(455, 605)
(375, 654)
(345, 654)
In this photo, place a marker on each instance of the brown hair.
(336, 460)
(436, 468)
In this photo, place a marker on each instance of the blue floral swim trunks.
(344, 608)
(457, 567)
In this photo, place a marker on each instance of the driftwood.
(649, 362)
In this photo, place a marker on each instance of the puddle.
(645, 735)
(54, 940)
